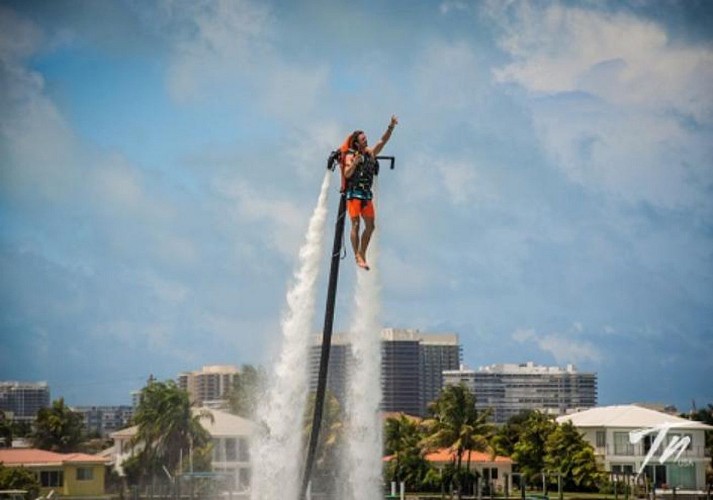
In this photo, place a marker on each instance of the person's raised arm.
(387, 135)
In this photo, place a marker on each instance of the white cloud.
(229, 53)
(19, 37)
(285, 219)
(622, 59)
(564, 347)
(621, 100)
(449, 76)
(219, 41)
(38, 145)
(449, 6)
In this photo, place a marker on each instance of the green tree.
(508, 435)
(169, 432)
(19, 478)
(456, 424)
(529, 451)
(58, 428)
(245, 392)
(331, 437)
(402, 439)
(568, 453)
(6, 430)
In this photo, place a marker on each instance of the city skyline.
(550, 202)
(339, 363)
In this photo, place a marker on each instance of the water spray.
(332, 162)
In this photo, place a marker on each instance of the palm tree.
(168, 429)
(403, 437)
(456, 424)
(330, 438)
(58, 428)
(242, 396)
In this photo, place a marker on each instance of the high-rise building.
(401, 377)
(412, 367)
(24, 399)
(105, 419)
(339, 359)
(508, 389)
(208, 386)
(412, 364)
(439, 352)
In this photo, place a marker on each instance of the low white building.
(632, 439)
(231, 436)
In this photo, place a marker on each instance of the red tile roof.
(446, 455)
(32, 456)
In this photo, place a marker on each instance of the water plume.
(276, 454)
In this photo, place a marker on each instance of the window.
(601, 439)
(622, 445)
(51, 478)
(85, 473)
(231, 453)
(244, 477)
(622, 469)
(244, 450)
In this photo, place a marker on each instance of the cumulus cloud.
(284, 218)
(566, 347)
(450, 76)
(616, 103)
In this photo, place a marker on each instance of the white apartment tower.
(508, 389)
(22, 400)
(208, 386)
(412, 365)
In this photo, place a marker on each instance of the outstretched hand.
(394, 120)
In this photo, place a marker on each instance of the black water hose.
(326, 345)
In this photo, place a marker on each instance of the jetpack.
(336, 157)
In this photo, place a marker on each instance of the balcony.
(636, 450)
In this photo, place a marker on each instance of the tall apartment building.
(208, 386)
(105, 419)
(339, 359)
(508, 389)
(439, 352)
(412, 364)
(24, 399)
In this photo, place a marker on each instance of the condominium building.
(208, 386)
(105, 419)
(401, 374)
(22, 400)
(508, 389)
(339, 359)
(438, 352)
(412, 364)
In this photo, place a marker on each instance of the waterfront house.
(67, 474)
(631, 439)
(231, 437)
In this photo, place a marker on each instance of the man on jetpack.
(358, 169)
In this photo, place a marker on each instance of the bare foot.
(362, 263)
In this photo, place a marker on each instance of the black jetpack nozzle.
(333, 160)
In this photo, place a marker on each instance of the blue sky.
(552, 199)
